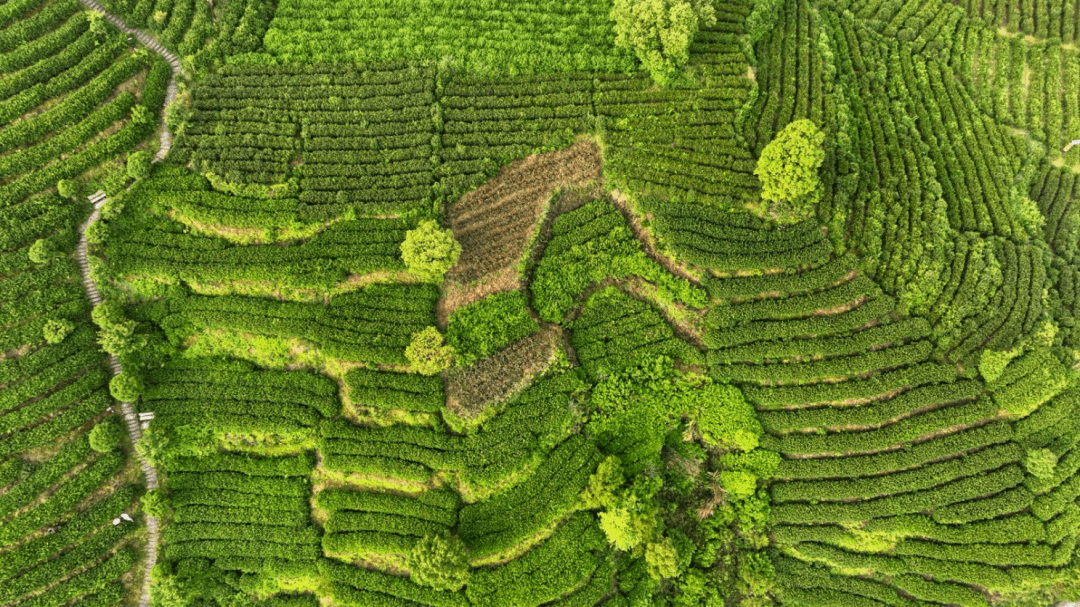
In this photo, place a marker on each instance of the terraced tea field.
(494, 303)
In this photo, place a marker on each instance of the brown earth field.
(495, 222)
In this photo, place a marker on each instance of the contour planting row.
(71, 99)
(616, 331)
(529, 426)
(232, 396)
(373, 324)
(151, 244)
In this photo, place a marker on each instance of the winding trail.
(130, 417)
(174, 62)
(98, 198)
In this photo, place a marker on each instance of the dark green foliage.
(486, 326)
(385, 390)
(507, 518)
(616, 331)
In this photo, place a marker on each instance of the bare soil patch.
(495, 222)
(496, 378)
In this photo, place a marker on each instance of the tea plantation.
(523, 303)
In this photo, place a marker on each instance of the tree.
(126, 388)
(430, 250)
(439, 561)
(57, 329)
(662, 558)
(68, 188)
(1041, 463)
(741, 484)
(427, 354)
(788, 169)
(42, 251)
(117, 335)
(138, 164)
(152, 445)
(660, 32)
(155, 503)
(603, 484)
(107, 435)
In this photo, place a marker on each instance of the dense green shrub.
(430, 251)
(660, 32)
(483, 327)
(427, 354)
(126, 387)
(788, 169)
(138, 165)
(56, 329)
(439, 561)
(107, 434)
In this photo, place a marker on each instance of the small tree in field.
(107, 435)
(427, 354)
(138, 164)
(660, 32)
(430, 250)
(126, 388)
(439, 561)
(42, 251)
(56, 329)
(788, 171)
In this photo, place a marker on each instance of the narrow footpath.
(174, 62)
(131, 418)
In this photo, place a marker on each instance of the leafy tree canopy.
(427, 354)
(788, 170)
(107, 435)
(660, 32)
(430, 250)
(439, 561)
